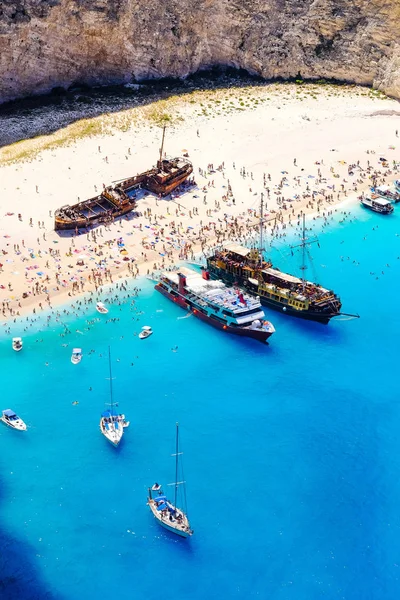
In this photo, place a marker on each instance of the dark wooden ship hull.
(61, 223)
(321, 315)
(115, 202)
(255, 334)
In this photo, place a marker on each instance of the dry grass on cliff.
(198, 104)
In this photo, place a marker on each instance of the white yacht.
(76, 356)
(10, 418)
(146, 332)
(17, 344)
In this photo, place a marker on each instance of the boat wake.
(185, 317)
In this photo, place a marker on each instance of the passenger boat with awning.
(377, 204)
(388, 192)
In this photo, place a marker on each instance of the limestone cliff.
(50, 43)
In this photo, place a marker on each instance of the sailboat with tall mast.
(165, 512)
(112, 424)
(295, 296)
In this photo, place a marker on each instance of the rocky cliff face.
(50, 43)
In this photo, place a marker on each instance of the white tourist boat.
(165, 512)
(146, 332)
(377, 204)
(389, 192)
(112, 424)
(101, 308)
(76, 356)
(17, 344)
(10, 418)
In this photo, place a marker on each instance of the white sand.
(336, 129)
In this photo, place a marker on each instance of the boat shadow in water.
(19, 578)
(334, 332)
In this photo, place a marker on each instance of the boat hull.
(380, 211)
(155, 181)
(18, 426)
(256, 334)
(310, 315)
(83, 223)
(164, 523)
(113, 439)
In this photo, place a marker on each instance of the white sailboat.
(76, 356)
(112, 424)
(17, 344)
(165, 512)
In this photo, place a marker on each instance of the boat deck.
(211, 292)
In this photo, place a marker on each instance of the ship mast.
(162, 145)
(176, 465)
(303, 251)
(261, 229)
(109, 366)
(303, 245)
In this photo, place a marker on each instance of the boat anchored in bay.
(213, 302)
(377, 204)
(112, 424)
(165, 512)
(295, 296)
(17, 344)
(101, 308)
(10, 418)
(76, 356)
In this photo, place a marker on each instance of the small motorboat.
(101, 308)
(10, 418)
(76, 356)
(17, 344)
(146, 332)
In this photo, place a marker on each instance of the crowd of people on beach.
(187, 224)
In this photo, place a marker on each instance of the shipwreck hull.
(163, 189)
(61, 223)
(115, 202)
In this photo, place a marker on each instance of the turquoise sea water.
(291, 450)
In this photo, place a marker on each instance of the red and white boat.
(225, 308)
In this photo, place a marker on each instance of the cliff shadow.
(19, 577)
(42, 115)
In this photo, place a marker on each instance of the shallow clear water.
(291, 450)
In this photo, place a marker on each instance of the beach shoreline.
(295, 150)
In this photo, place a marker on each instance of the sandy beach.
(306, 148)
